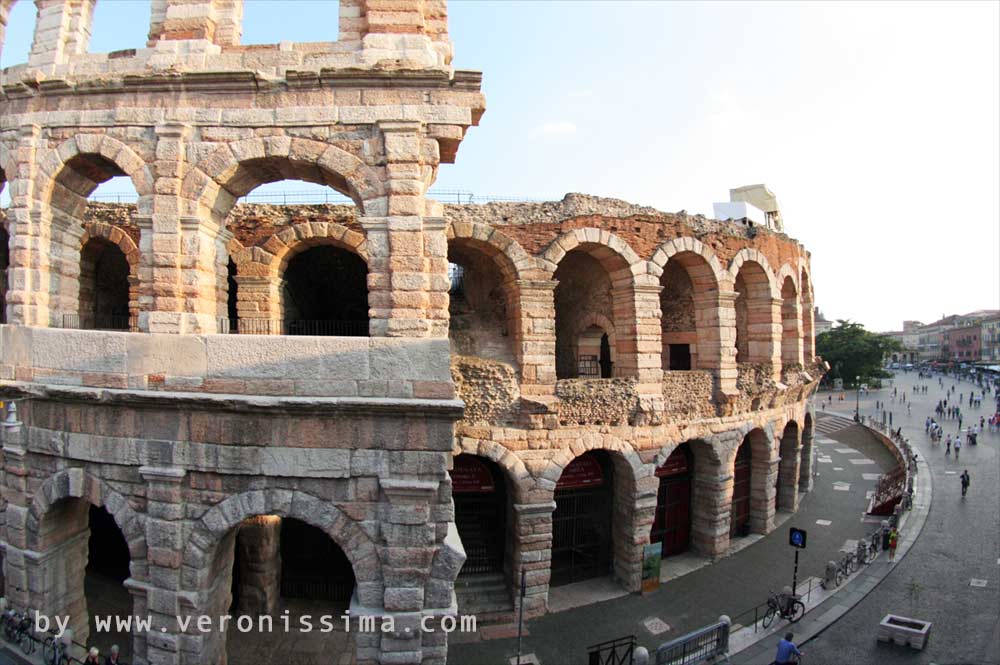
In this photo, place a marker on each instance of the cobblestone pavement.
(960, 543)
(730, 586)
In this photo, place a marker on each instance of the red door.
(739, 516)
(672, 520)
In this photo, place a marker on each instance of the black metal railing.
(293, 327)
(619, 651)
(124, 323)
(757, 612)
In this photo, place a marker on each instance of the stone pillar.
(386, 29)
(642, 341)
(537, 335)
(28, 274)
(711, 508)
(764, 332)
(436, 263)
(16, 514)
(214, 22)
(763, 494)
(62, 31)
(161, 598)
(532, 553)
(5, 6)
(807, 457)
(258, 304)
(791, 333)
(715, 321)
(634, 510)
(258, 555)
(808, 332)
(788, 471)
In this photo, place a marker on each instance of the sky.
(877, 125)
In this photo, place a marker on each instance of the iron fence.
(757, 612)
(618, 651)
(322, 196)
(315, 327)
(696, 647)
(123, 323)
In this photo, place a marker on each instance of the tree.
(853, 351)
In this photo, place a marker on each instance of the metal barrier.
(619, 651)
(293, 327)
(122, 323)
(710, 642)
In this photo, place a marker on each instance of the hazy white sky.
(876, 124)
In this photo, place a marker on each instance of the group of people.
(94, 657)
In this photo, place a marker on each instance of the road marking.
(824, 460)
(838, 468)
(861, 461)
(824, 522)
(950, 473)
(655, 625)
(871, 476)
(841, 486)
(977, 583)
(847, 451)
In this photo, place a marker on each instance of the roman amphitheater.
(396, 406)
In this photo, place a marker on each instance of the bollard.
(830, 575)
(640, 656)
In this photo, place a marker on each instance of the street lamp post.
(857, 399)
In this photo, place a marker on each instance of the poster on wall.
(651, 558)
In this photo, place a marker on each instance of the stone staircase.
(485, 595)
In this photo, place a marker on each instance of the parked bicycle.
(786, 605)
(11, 620)
(54, 650)
(24, 634)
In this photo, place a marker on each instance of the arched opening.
(672, 521)
(232, 298)
(791, 336)
(17, 25)
(582, 536)
(483, 303)
(587, 300)
(270, 567)
(4, 264)
(808, 338)
(481, 507)
(739, 513)
(94, 239)
(86, 565)
(788, 469)
(753, 315)
(324, 291)
(104, 287)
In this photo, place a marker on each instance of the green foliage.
(853, 351)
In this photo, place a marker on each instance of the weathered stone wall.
(688, 394)
(489, 389)
(596, 401)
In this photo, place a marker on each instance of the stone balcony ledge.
(233, 365)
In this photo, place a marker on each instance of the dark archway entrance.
(480, 513)
(107, 569)
(104, 288)
(672, 521)
(739, 515)
(324, 291)
(4, 263)
(581, 523)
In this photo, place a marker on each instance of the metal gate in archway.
(581, 523)
(480, 514)
(739, 516)
(672, 520)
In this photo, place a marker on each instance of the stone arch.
(690, 275)
(706, 491)
(754, 255)
(808, 316)
(300, 237)
(521, 480)
(78, 484)
(64, 187)
(791, 318)
(210, 529)
(115, 236)
(507, 253)
(789, 449)
(624, 280)
(561, 458)
(234, 169)
(762, 475)
(675, 246)
(757, 313)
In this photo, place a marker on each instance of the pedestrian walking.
(958, 446)
(947, 450)
(786, 651)
(893, 541)
(93, 657)
(965, 482)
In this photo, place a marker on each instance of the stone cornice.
(448, 409)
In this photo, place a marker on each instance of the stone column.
(642, 338)
(711, 508)
(764, 332)
(213, 22)
(808, 336)
(16, 514)
(436, 263)
(258, 555)
(62, 30)
(715, 321)
(537, 335)
(807, 457)
(791, 333)
(29, 276)
(788, 472)
(634, 510)
(161, 598)
(532, 553)
(763, 478)
(258, 304)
